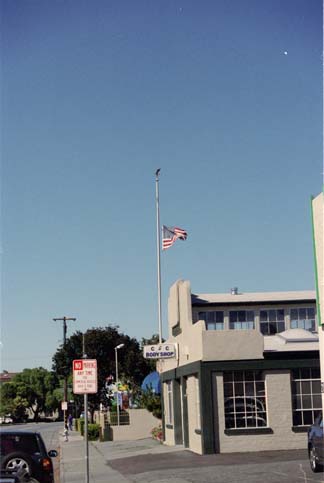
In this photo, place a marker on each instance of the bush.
(152, 402)
(93, 432)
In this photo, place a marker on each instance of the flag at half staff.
(171, 234)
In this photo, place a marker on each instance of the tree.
(100, 343)
(33, 390)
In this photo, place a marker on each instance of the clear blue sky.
(225, 96)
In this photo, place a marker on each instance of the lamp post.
(64, 320)
(116, 360)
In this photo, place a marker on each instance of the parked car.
(316, 445)
(6, 420)
(26, 451)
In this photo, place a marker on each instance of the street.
(147, 461)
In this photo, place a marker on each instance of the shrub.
(152, 402)
(93, 432)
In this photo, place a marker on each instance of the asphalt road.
(186, 467)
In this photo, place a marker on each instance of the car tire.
(18, 461)
(314, 464)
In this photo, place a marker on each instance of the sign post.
(85, 381)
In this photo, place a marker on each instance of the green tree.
(100, 343)
(33, 390)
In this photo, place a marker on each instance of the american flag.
(171, 234)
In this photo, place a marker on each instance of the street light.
(119, 346)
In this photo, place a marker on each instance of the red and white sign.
(85, 376)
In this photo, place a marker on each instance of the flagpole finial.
(157, 172)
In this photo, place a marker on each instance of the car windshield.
(26, 443)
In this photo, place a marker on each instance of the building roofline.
(305, 296)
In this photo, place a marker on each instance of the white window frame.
(299, 395)
(302, 322)
(242, 406)
(239, 324)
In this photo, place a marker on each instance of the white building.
(247, 374)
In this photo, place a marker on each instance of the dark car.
(316, 445)
(26, 450)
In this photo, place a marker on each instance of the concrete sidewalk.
(72, 457)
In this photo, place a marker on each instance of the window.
(169, 419)
(241, 319)
(272, 321)
(244, 400)
(197, 394)
(303, 319)
(306, 395)
(214, 320)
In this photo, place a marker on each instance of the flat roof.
(254, 297)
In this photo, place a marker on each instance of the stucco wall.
(232, 345)
(279, 411)
(193, 419)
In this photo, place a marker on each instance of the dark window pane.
(272, 316)
(294, 314)
(272, 328)
(315, 373)
(293, 387)
(250, 315)
(297, 402)
(264, 329)
(238, 376)
(219, 316)
(308, 417)
(233, 316)
(307, 402)
(249, 375)
(249, 389)
(228, 389)
(210, 316)
(302, 314)
(202, 316)
(263, 316)
(229, 422)
(280, 314)
(227, 376)
(239, 389)
(262, 419)
(281, 326)
(316, 387)
(305, 373)
(241, 315)
(317, 402)
(296, 373)
(311, 313)
(261, 404)
(297, 418)
(259, 387)
(306, 387)
(240, 422)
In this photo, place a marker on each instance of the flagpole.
(158, 249)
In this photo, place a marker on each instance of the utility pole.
(64, 320)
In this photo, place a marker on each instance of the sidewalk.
(72, 457)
